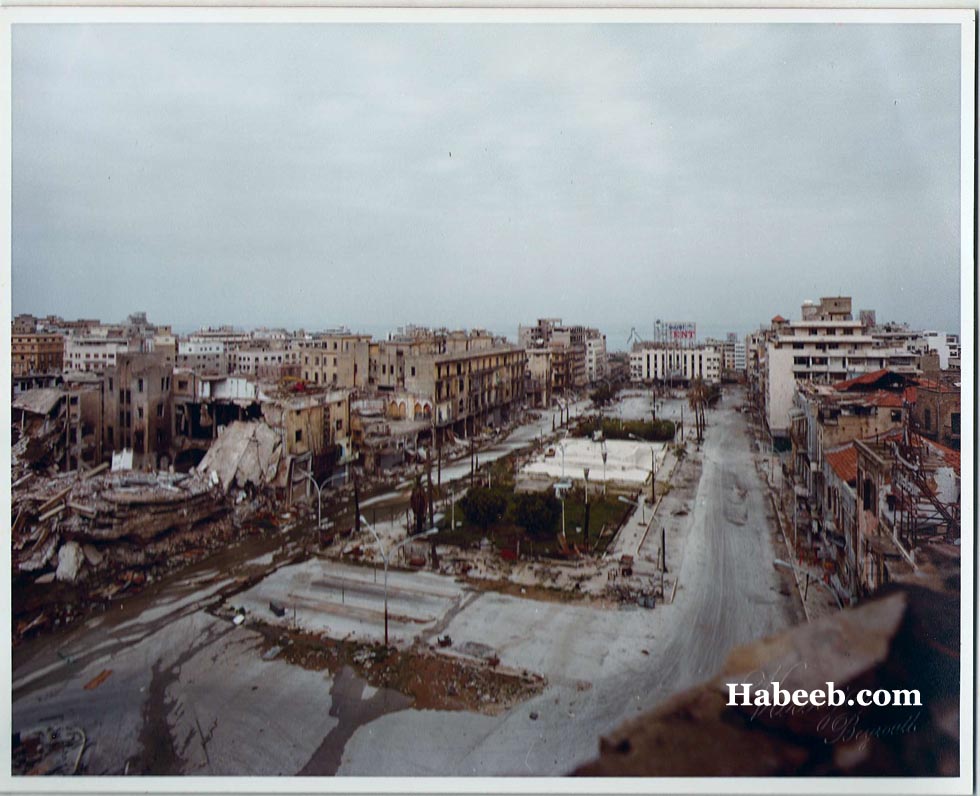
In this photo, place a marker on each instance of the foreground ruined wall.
(907, 638)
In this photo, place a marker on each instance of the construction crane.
(634, 337)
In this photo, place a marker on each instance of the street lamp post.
(384, 557)
(653, 469)
(318, 493)
(605, 454)
(653, 475)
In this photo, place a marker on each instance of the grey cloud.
(485, 175)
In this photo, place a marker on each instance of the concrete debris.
(272, 653)
(39, 401)
(244, 454)
(97, 533)
(70, 559)
(123, 460)
(54, 750)
(92, 555)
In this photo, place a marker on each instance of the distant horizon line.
(617, 335)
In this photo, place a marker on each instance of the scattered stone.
(272, 653)
(93, 556)
(534, 715)
(70, 559)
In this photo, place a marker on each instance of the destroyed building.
(908, 500)
(202, 405)
(139, 409)
(58, 429)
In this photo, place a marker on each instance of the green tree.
(537, 513)
(483, 507)
(419, 505)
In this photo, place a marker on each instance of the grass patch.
(505, 534)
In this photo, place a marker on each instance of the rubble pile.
(38, 441)
(70, 523)
(245, 455)
(101, 532)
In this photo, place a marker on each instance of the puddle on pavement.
(353, 705)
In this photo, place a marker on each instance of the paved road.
(728, 590)
(175, 666)
(605, 665)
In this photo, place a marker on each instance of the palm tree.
(697, 399)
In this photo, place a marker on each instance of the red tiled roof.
(778, 319)
(936, 386)
(865, 379)
(884, 398)
(844, 463)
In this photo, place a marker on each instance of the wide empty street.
(192, 692)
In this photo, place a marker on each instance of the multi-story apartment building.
(96, 347)
(947, 346)
(97, 351)
(228, 336)
(538, 377)
(24, 323)
(264, 363)
(36, 353)
(165, 343)
(582, 359)
(596, 359)
(732, 356)
(828, 416)
(204, 357)
(472, 379)
(539, 334)
(827, 345)
(476, 388)
(667, 363)
(138, 408)
(336, 358)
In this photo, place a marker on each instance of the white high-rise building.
(596, 361)
(670, 363)
(827, 345)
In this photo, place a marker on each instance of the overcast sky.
(485, 175)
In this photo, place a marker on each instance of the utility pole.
(357, 503)
(585, 471)
(428, 473)
(653, 476)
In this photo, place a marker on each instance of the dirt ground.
(432, 681)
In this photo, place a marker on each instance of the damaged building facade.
(138, 398)
(867, 490)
